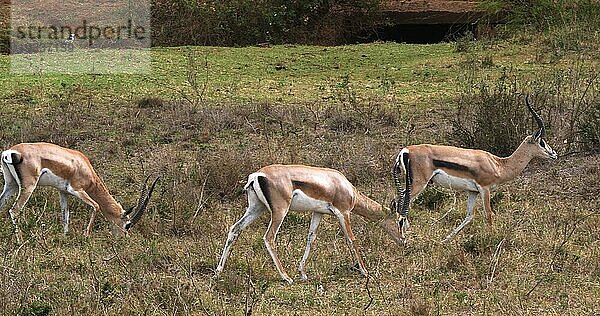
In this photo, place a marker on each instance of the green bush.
(589, 128)
(36, 309)
(246, 22)
(559, 25)
(494, 119)
(543, 15)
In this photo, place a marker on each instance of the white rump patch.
(253, 177)
(255, 186)
(7, 156)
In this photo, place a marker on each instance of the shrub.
(589, 128)
(492, 119)
(495, 118)
(36, 309)
(245, 22)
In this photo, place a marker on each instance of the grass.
(206, 117)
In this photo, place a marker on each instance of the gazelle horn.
(542, 131)
(136, 213)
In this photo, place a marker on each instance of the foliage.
(589, 127)
(560, 25)
(245, 22)
(35, 309)
(494, 119)
(545, 14)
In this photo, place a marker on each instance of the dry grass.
(540, 257)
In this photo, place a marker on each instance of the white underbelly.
(445, 180)
(304, 203)
(49, 179)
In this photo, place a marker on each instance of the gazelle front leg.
(312, 234)
(89, 201)
(489, 214)
(64, 212)
(347, 229)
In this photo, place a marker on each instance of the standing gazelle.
(282, 188)
(474, 171)
(27, 165)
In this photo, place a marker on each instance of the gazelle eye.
(542, 143)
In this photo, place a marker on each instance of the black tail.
(263, 183)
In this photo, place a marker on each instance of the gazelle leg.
(252, 212)
(89, 201)
(312, 234)
(14, 211)
(489, 215)
(470, 205)
(65, 212)
(7, 193)
(347, 229)
(277, 216)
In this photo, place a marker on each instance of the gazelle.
(27, 165)
(474, 171)
(282, 188)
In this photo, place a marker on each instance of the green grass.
(401, 72)
(350, 108)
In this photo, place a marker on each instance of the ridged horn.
(399, 192)
(136, 213)
(542, 131)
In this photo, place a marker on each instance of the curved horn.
(399, 192)
(542, 131)
(142, 194)
(138, 211)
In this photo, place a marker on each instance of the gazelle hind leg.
(252, 213)
(10, 186)
(8, 192)
(15, 210)
(415, 189)
(277, 216)
(470, 205)
(312, 234)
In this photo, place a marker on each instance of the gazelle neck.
(368, 208)
(374, 212)
(516, 163)
(108, 205)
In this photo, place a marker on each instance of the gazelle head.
(540, 146)
(399, 220)
(390, 224)
(133, 214)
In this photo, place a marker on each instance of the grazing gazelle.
(27, 165)
(282, 188)
(474, 171)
